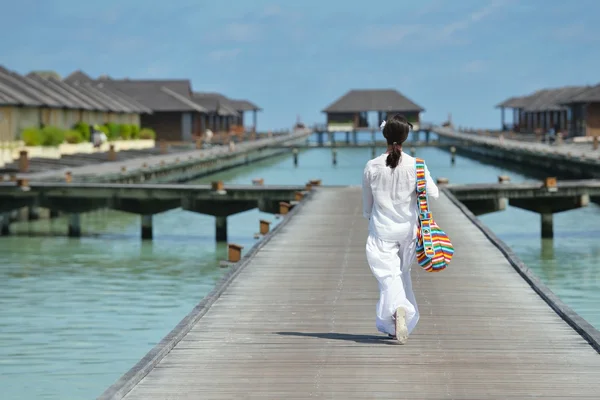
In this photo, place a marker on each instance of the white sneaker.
(401, 329)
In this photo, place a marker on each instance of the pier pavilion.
(349, 113)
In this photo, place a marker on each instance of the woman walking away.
(390, 204)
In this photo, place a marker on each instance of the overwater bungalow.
(584, 112)
(33, 101)
(540, 111)
(350, 112)
(175, 116)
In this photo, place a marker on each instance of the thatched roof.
(364, 100)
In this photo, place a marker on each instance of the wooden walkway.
(298, 323)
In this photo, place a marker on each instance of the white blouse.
(390, 198)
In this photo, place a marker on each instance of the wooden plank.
(298, 323)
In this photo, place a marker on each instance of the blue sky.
(295, 57)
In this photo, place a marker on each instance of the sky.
(294, 58)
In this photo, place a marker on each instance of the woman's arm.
(367, 194)
(432, 189)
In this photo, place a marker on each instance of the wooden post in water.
(74, 225)
(264, 227)
(221, 229)
(147, 230)
(23, 161)
(334, 156)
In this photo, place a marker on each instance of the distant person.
(208, 135)
(98, 136)
(390, 204)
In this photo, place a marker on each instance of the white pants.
(391, 263)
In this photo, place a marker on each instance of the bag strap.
(424, 213)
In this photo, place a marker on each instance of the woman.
(390, 204)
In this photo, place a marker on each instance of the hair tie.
(394, 144)
(382, 125)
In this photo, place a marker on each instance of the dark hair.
(395, 132)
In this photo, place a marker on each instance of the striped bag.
(434, 249)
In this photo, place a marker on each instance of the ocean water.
(75, 314)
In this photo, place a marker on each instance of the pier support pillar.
(354, 138)
(547, 226)
(453, 155)
(373, 136)
(347, 137)
(147, 230)
(33, 213)
(74, 225)
(221, 229)
(334, 156)
(320, 138)
(4, 224)
(295, 152)
(427, 134)
(373, 152)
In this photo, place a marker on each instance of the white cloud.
(272, 10)
(474, 66)
(427, 35)
(224, 55)
(241, 32)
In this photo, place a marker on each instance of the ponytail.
(394, 156)
(395, 131)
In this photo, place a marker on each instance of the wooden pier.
(177, 166)
(567, 161)
(295, 319)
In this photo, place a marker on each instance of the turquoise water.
(77, 313)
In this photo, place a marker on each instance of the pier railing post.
(23, 161)
(112, 154)
(284, 207)
(234, 252)
(264, 227)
